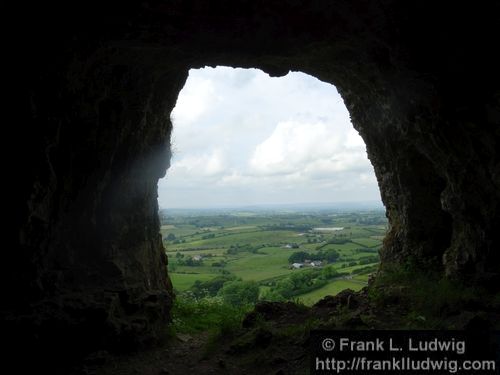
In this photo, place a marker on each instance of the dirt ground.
(273, 339)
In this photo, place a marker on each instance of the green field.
(183, 281)
(271, 263)
(256, 246)
(329, 289)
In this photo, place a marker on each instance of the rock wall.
(90, 268)
(93, 88)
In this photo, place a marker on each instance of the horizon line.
(257, 205)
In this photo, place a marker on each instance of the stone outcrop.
(93, 89)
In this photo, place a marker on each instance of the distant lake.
(328, 229)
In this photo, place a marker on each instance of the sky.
(242, 138)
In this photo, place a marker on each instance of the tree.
(240, 293)
(210, 287)
(193, 263)
(331, 256)
(285, 287)
(298, 257)
(328, 273)
(171, 237)
(273, 295)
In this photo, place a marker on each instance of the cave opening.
(270, 195)
(87, 270)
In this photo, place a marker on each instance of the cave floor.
(274, 337)
(189, 355)
(183, 354)
(254, 350)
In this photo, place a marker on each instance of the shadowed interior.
(94, 88)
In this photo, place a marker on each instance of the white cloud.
(291, 147)
(242, 137)
(193, 167)
(317, 150)
(194, 100)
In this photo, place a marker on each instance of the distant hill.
(285, 207)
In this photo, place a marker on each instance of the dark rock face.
(93, 90)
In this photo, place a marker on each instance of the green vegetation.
(184, 281)
(429, 297)
(331, 289)
(329, 256)
(193, 315)
(236, 258)
(240, 293)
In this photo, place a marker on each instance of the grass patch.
(366, 242)
(429, 297)
(271, 263)
(183, 281)
(331, 288)
(215, 236)
(191, 315)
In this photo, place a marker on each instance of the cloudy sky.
(243, 138)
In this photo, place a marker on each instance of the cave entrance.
(270, 194)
